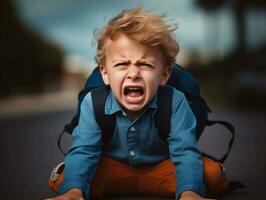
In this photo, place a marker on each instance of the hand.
(189, 195)
(72, 194)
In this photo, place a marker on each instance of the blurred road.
(28, 152)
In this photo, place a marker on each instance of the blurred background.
(47, 51)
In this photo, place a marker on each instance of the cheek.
(115, 78)
(152, 82)
(116, 81)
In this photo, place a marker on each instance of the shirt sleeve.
(183, 148)
(85, 151)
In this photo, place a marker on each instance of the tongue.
(134, 94)
(134, 97)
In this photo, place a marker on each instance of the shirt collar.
(112, 105)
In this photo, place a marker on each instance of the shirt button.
(132, 153)
(132, 129)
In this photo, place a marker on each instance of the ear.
(166, 74)
(104, 74)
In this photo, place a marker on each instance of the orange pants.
(114, 178)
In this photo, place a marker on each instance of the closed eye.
(121, 64)
(145, 65)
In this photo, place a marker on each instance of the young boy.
(136, 53)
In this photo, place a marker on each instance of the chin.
(137, 109)
(134, 108)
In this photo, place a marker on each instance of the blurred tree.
(239, 8)
(239, 78)
(28, 62)
(213, 27)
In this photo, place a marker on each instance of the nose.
(133, 72)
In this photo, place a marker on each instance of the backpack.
(180, 79)
(183, 81)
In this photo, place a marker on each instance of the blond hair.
(143, 27)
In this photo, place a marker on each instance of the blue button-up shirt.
(135, 142)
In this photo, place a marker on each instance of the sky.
(71, 24)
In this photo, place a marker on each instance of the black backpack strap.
(234, 185)
(162, 118)
(74, 122)
(99, 96)
(200, 109)
(106, 122)
(68, 128)
(230, 127)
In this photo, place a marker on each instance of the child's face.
(134, 72)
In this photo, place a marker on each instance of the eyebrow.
(121, 61)
(143, 61)
(137, 62)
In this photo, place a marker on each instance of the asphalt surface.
(28, 152)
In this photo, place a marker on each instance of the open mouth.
(134, 94)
